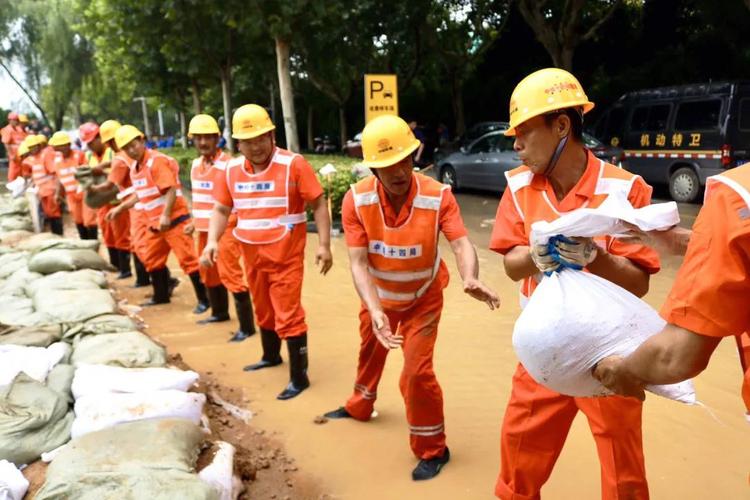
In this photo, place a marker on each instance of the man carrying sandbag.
(710, 298)
(270, 188)
(155, 177)
(227, 273)
(45, 182)
(392, 221)
(560, 175)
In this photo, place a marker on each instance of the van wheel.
(684, 185)
(448, 176)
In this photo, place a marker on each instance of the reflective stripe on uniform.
(258, 224)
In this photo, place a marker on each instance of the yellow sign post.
(381, 96)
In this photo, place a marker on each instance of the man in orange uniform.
(64, 163)
(155, 177)
(45, 182)
(227, 273)
(269, 188)
(12, 135)
(392, 221)
(710, 298)
(115, 232)
(560, 175)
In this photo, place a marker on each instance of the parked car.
(483, 163)
(681, 135)
(472, 134)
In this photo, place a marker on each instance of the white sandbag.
(95, 379)
(574, 318)
(13, 485)
(219, 474)
(103, 410)
(36, 362)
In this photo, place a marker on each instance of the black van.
(681, 135)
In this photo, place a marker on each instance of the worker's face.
(14, 123)
(111, 144)
(135, 148)
(206, 144)
(396, 179)
(64, 149)
(536, 140)
(97, 146)
(35, 149)
(258, 149)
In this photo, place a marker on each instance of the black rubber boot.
(298, 381)
(81, 231)
(244, 307)
(141, 276)
(160, 282)
(338, 413)
(271, 351)
(219, 300)
(173, 282)
(123, 264)
(200, 293)
(92, 232)
(114, 257)
(56, 225)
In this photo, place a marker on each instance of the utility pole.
(146, 127)
(161, 119)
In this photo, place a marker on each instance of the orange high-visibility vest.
(534, 205)
(202, 182)
(403, 260)
(43, 180)
(66, 169)
(151, 200)
(262, 200)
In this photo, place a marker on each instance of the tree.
(561, 27)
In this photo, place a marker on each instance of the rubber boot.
(298, 381)
(160, 282)
(141, 276)
(56, 225)
(123, 264)
(92, 232)
(81, 231)
(271, 351)
(114, 257)
(173, 282)
(219, 299)
(200, 293)
(244, 307)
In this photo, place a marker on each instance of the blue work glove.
(573, 253)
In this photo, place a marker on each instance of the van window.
(698, 115)
(650, 118)
(612, 123)
(745, 114)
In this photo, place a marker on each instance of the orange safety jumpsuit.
(65, 169)
(537, 420)
(152, 176)
(271, 226)
(12, 138)
(410, 276)
(45, 181)
(711, 293)
(228, 270)
(119, 175)
(115, 233)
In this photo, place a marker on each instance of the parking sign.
(381, 96)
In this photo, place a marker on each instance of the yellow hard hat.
(125, 135)
(23, 118)
(251, 121)
(41, 138)
(543, 91)
(386, 140)
(107, 130)
(23, 149)
(203, 124)
(59, 138)
(34, 140)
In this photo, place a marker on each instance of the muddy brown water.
(690, 453)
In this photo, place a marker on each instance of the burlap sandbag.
(54, 260)
(72, 306)
(86, 178)
(126, 349)
(107, 323)
(32, 336)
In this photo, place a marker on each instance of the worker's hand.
(543, 260)
(576, 253)
(189, 228)
(482, 293)
(671, 241)
(324, 259)
(610, 373)
(164, 223)
(381, 327)
(59, 196)
(210, 254)
(113, 213)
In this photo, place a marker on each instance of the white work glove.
(576, 253)
(543, 260)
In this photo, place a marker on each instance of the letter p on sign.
(381, 96)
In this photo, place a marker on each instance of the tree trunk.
(343, 133)
(226, 96)
(310, 123)
(287, 95)
(183, 130)
(272, 92)
(23, 89)
(197, 104)
(457, 101)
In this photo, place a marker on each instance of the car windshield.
(591, 142)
